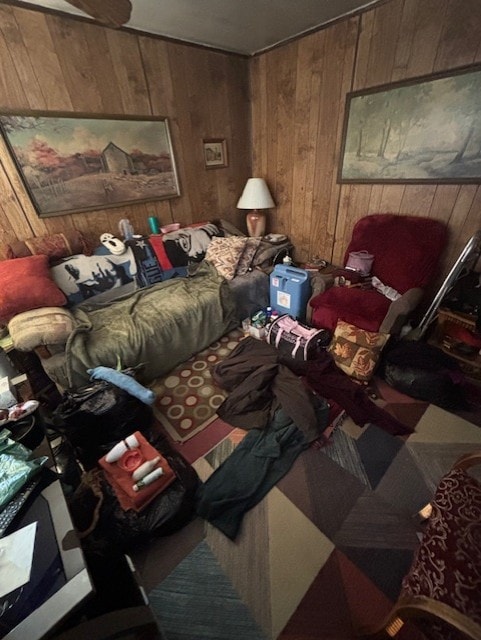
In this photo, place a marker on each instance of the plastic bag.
(15, 466)
(95, 417)
(424, 372)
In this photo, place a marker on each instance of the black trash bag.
(424, 372)
(95, 417)
(103, 525)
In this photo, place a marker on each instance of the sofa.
(152, 307)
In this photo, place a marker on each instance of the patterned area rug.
(325, 551)
(187, 398)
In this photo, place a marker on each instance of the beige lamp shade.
(256, 195)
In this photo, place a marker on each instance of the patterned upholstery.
(447, 566)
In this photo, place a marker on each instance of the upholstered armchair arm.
(412, 607)
(399, 310)
(319, 283)
(468, 460)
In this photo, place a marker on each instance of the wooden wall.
(298, 98)
(53, 63)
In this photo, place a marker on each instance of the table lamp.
(256, 196)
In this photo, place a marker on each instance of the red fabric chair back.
(406, 249)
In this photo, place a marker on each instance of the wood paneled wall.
(298, 98)
(53, 63)
(298, 94)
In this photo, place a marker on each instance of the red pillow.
(25, 284)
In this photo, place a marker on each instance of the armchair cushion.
(364, 308)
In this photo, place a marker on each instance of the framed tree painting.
(425, 130)
(76, 162)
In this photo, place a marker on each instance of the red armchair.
(406, 253)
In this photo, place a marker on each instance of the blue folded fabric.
(123, 381)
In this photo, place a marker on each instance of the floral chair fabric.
(441, 594)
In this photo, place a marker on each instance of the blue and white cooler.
(290, 290)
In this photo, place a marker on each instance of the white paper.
(7, 396)
(16, 554)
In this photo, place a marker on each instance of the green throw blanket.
(159, 326)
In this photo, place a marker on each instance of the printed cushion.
(45, 326)
(186, 246)
(356, 351)
(25, 283)
(81, 277)
(224, 255)
(247, 256)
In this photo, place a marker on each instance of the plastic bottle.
(121, 447)
(148, 479)
(145, 469)
(287, 260)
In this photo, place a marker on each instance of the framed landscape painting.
(425, 130)
(71, 163)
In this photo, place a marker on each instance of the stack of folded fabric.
(129, 489)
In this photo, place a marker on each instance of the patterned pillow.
(224, 255)
(54, 245)
(81, 277)
(356, 351)
(247, 256)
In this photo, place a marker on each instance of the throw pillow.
(224, 254)
(81, 277)
(25, 283)
(45, 326)
(54, 245)
(247, 256)
(356, 351)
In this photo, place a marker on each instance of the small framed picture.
(215, 153)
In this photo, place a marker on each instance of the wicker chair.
(441, 594)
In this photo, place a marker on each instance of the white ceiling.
(241, 26)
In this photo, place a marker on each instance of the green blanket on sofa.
(159, 326)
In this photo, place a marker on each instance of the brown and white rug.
(187, 398)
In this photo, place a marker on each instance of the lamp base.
(256, 223)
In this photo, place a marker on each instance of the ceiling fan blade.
(112, 13)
